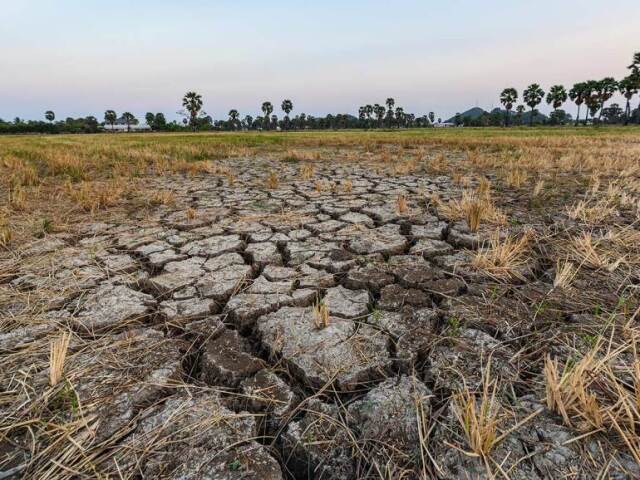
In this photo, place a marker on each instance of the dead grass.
(321, 315)
(93, 196)
(565, 272)
(600, 391)
(474, 209)
(479, 417)
(504, 258)
(401, 204)
(57, 356)
(163, 197)
(272, 181)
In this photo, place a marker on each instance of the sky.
(80, 58)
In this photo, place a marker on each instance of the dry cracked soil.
(200, 348)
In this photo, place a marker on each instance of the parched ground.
(273, 319)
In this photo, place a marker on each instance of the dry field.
(400, 305)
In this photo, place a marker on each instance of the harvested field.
(411, 304)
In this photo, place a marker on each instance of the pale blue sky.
(81, 57)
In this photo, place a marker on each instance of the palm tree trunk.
(578, 116)
(627, 112)
(531, 118)
(507, 122)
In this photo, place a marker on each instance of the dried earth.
(197, 351)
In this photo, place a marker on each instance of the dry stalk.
(57, 356)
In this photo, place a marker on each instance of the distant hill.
(477, 112)
(474, 112)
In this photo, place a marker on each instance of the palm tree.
(379, 110)
(607, 87)
(129, 119)
(192, 101)
(233, 118)
(110, 117)
(508, 97)
(519, 113)
(361, 115)
(50, 116)
(287, 106)
(150, 118)
(556, 97)
(532, 96)
(635, 75)
(368, 110)
(629, 87)
(635, 65)
(267, 108)
(592, 98)
(577, 94)
(400, 118)
(390, 102)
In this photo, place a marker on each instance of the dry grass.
(479, 417)
(600, 391)
(272, 181)
(307, 171)
(503, 258)
(321, 315)
(93, 196)
(401, 204)
(57, 356)
(474, 209)
(565, 272)
(516, 177)
(163, 197)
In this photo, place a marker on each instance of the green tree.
(519, 113)
(400, 117)
(578, 94)
(368, 110)
(287, 107)
(192, 102)
(150, 118)
(635, 65)
(129, 119)
(361, 115)
(233, 118)
(160, 121)
(390, 102)
(110, 117)
(592, 98)
(379, 111)
(556, 97)
(50, 116)
(607, 87)
(432, 117)
(267, 108)
(629, 87)
(613, 113)
(508, 97)
(532, 96)
(635, 76)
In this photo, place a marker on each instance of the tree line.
(593, 94)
